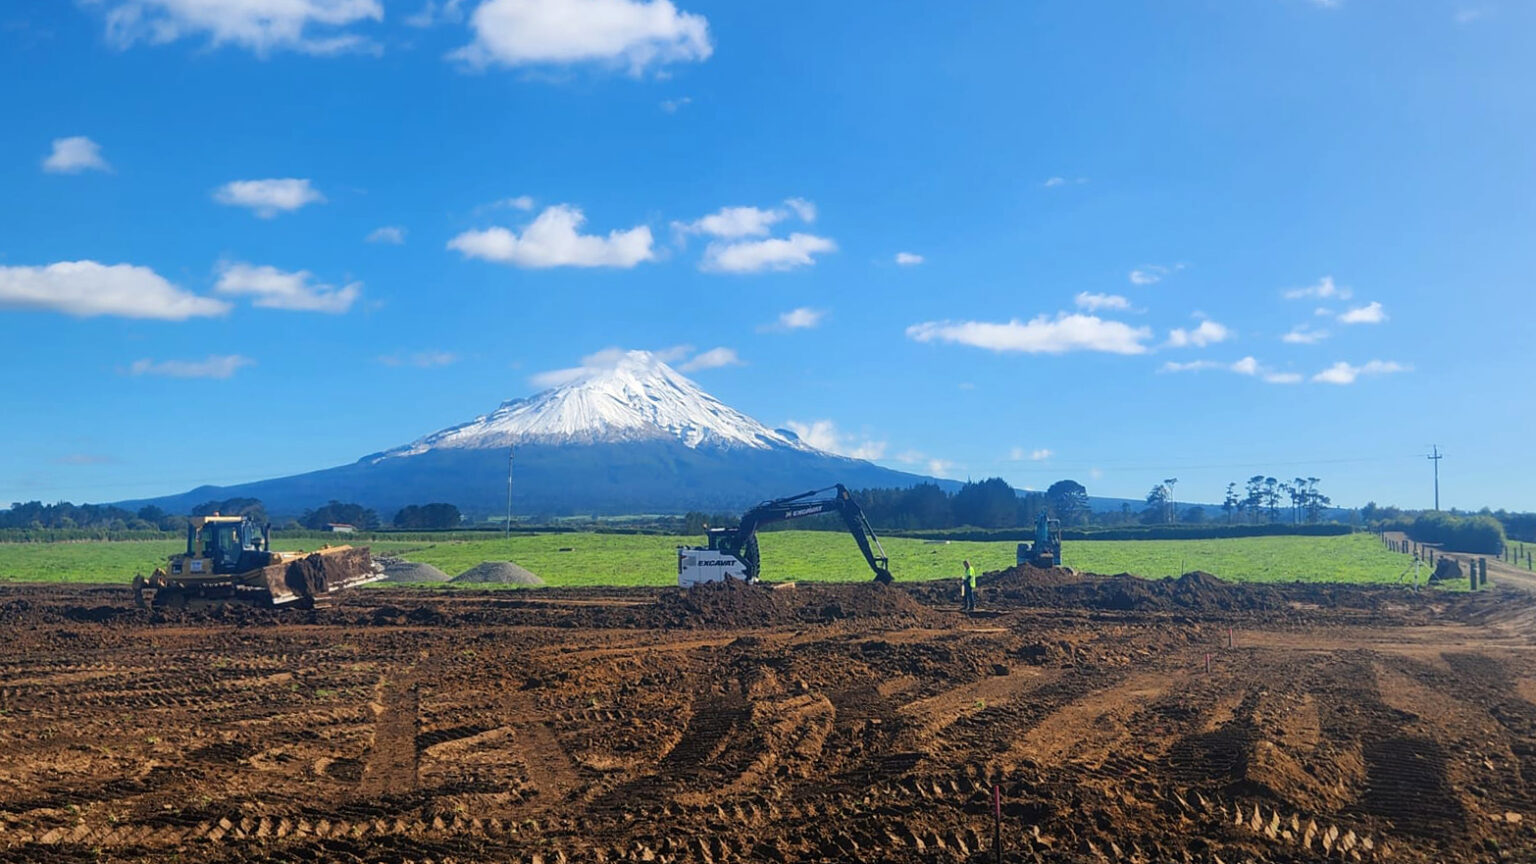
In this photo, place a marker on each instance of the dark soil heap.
(1123, 592)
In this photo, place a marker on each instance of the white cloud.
(435, 12)
(806, 210)
(73, 155)
(1192, 366)
(1019, 454)
(215, 366)
(552, 240)
(1040, 335)
(278, 289)
(714, 358)
(908, 259)
(391, 234)
(632, 33)
(1325, 289)
(1303, 334)
(755, 256)
(1208, 333)
(732, 222)
(421, 359)
(1095, 302)
(267, 198)
(1371, 313)
(310, 26)
(87, 289)
(801, 318)
(824, 435)
(672, 106)
(1470, 14)
(1054, 182)
(605, 360)
(1151, 274)
(941, 468)
(1248, 366)
(1345, 373)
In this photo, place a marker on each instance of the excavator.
(229, 559)
(732, 552)
(1045, 551)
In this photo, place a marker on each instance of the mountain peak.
(614, 397)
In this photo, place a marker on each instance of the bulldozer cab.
(222, 540)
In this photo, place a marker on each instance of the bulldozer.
(229, 559)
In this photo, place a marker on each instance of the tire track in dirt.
(393, 764)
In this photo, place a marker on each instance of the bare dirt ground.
(735, 723)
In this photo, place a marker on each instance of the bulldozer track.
(859, 738)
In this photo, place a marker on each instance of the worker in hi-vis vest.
(968, 587)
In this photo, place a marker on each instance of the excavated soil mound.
(400, 570)
(1026, 575)
(1058, 587)
(499, 573)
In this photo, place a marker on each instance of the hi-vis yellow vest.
(970, 575)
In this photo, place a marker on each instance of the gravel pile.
(401, 570)
(499, 573)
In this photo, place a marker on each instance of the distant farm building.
(340, 528)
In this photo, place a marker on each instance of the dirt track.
(844, 723)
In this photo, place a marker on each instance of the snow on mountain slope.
(637, 398)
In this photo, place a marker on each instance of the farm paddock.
(1118, 720)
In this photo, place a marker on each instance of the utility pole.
(511, 452)
(1435, 457)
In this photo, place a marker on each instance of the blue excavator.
(1045, 551)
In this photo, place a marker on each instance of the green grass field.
(628, 559)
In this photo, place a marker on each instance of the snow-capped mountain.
(627, 436)
(637, 398)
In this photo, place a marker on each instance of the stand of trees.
(1480, 534)
(337, 512)
(1263, 499)
(988, 504)
(428, 517)
(36, 515)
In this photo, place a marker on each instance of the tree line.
(64, 516)
(990, 503)
(1264, 499)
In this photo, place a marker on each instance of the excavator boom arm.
(813, 503)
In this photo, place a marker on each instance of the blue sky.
(1112, 242)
